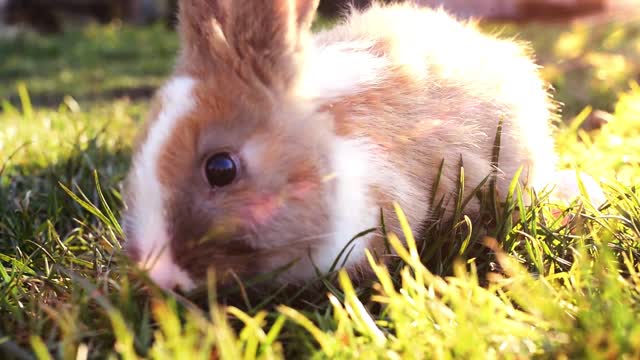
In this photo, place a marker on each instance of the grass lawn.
(557, 281)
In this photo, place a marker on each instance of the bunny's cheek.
(265, 207)
(262, 210)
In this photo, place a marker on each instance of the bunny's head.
(234, 168)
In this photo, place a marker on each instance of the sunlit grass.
(614, 151)
(547, 280)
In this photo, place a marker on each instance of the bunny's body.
(304, 139)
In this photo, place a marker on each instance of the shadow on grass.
(38, 214)
(43, 231)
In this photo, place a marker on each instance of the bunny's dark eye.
(220, 170)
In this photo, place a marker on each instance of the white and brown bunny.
(270, 144)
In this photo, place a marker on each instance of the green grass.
(94, 64)
(558, 281)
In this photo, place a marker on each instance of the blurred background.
(95, 57)
(52, 15)
(92, 49)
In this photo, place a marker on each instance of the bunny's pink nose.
(168, 275)
(163, 278)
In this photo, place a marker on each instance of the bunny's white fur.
(329, 131)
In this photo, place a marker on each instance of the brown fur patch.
(262, 41)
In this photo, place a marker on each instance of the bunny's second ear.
(261, 39)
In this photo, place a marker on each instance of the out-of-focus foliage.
(588, 64)
(92, 64)
(611, 152)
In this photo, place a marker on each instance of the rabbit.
(271, 146)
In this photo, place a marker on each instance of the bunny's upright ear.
(262, 40)
(200, 26)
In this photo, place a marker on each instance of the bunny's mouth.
(235, 255)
